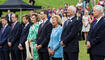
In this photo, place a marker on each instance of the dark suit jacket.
(70, 37)
(0, 25)
(24, 35)
(96, 36)
(9, 22)
(4, 37)
(43, 36)
(14, 36)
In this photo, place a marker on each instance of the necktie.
(95, 22)
(42, 24)
(67, 22)
(12, 25)
(3, 29)
(24, 27)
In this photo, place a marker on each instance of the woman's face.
(86, 13)
(54, 21)
(33, 18)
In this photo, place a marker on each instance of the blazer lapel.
(98, 25)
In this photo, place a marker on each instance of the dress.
(85, 21)
(54, 43)
(32, 35)
(63, 20)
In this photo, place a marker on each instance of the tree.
(93, 3)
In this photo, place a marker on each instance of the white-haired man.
(96, 35)
(69, 37)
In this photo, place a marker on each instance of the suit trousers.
(96, 57)
(70, 56)
(4, 55)
(43, 56)
(23, 53)
(15, 54)
(56, 58)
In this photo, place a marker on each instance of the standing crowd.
(53, 34)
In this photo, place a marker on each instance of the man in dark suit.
(8, 16)
(14, 38)
(4, 32)
(24, 34)
(43, 36)
(96, 35)
(69, 36)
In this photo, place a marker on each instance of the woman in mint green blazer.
(32, 35)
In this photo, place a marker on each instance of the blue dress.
(54, 43)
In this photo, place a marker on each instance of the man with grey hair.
(96, 35)
(69, 37)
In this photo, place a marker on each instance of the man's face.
(95, 13)
(69, 12)
(14, 19)
(4, 22)
(42, 15)
(24, 20)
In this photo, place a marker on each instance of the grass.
(83, 51)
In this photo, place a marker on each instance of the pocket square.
(71, 20)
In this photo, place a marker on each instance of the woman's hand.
(50, 52)
(30, 40)
(53, 51)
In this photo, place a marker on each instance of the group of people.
(52, 36)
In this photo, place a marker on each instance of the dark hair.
(45, 12)
(27, 17)
(37, 17)
(16, 16)
(5, 18)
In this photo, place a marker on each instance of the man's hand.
(62, 44)
(9, 44)
(88, 45)
(20, 47)
(38, 47)
(0, 46)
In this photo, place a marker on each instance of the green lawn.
(83, 51)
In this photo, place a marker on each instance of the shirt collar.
(15, 22)
(70, 17)
(98, 19)
(5, 25)
(26, 24)
(45, 21)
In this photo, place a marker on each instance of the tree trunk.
(93, 3)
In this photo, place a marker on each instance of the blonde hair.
(86, 12)
(58, 19)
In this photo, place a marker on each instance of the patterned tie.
(42, 24)
(25, 27)
(3, 29)
(67, 22)
(95, 22)
(12, 25)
